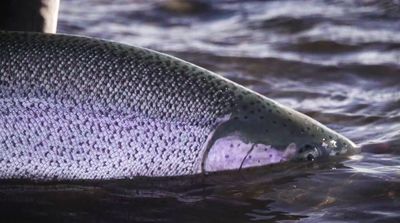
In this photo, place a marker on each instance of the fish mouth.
(340, 146)
(230, 153)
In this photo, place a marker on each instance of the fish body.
(82, 108)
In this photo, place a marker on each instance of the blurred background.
(338, 61)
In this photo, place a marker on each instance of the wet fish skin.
(82, 108)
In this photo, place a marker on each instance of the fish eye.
(305, 148)
(308, 153)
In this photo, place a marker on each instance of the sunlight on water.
(356, 157)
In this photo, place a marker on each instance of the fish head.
(261, 132)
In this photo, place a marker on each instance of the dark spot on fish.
(4, 83)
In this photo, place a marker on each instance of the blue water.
(336, 61)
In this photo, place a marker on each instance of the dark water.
(337, 61)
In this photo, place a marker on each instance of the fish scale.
(89, 109)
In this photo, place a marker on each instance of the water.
(337, 61)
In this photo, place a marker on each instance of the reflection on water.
(360, 188)
(337, 61)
